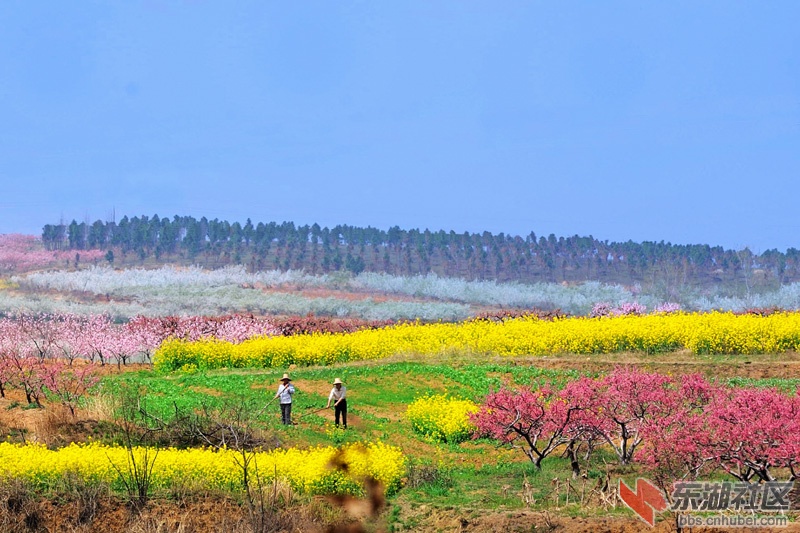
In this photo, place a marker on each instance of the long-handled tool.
(311, 412)
(265, 406)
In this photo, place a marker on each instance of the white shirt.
(285, 392)
(337, 395)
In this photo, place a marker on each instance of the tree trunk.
(572, 454)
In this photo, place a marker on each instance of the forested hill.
(501, 257)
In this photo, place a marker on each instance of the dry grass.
(52, 424)
(99, 407)
(83, 508)
(49, 426)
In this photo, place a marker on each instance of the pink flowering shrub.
(601, 309)
(667, 307)
(627, 308)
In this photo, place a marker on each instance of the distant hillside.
(485, 256)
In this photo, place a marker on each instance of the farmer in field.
(285, 391)
(338, 396)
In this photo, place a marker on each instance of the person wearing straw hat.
(285, 391)
(338, 396)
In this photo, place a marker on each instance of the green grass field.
(474, 477)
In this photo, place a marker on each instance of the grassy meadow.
(470, 478)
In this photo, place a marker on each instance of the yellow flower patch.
(306, 470)
(442, 418)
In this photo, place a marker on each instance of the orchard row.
(96, 338)
(24, 252)
(676, 428)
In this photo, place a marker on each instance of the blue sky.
(675, 121)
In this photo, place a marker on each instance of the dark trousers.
(286, 413)
(340, 409)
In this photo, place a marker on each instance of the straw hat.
(337, 381)
(286, 377)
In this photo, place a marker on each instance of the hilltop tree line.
(501, 257)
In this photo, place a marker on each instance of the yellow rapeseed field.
(702, 333)
(306, 470)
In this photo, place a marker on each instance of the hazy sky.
(675, 121)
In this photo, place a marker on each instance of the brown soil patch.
(20, 512)
(317, 386)
(112, 368)
(52, 424)
(428, 519)
(17, 419)
(86, 512)
(266, 387)
(205, 390)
